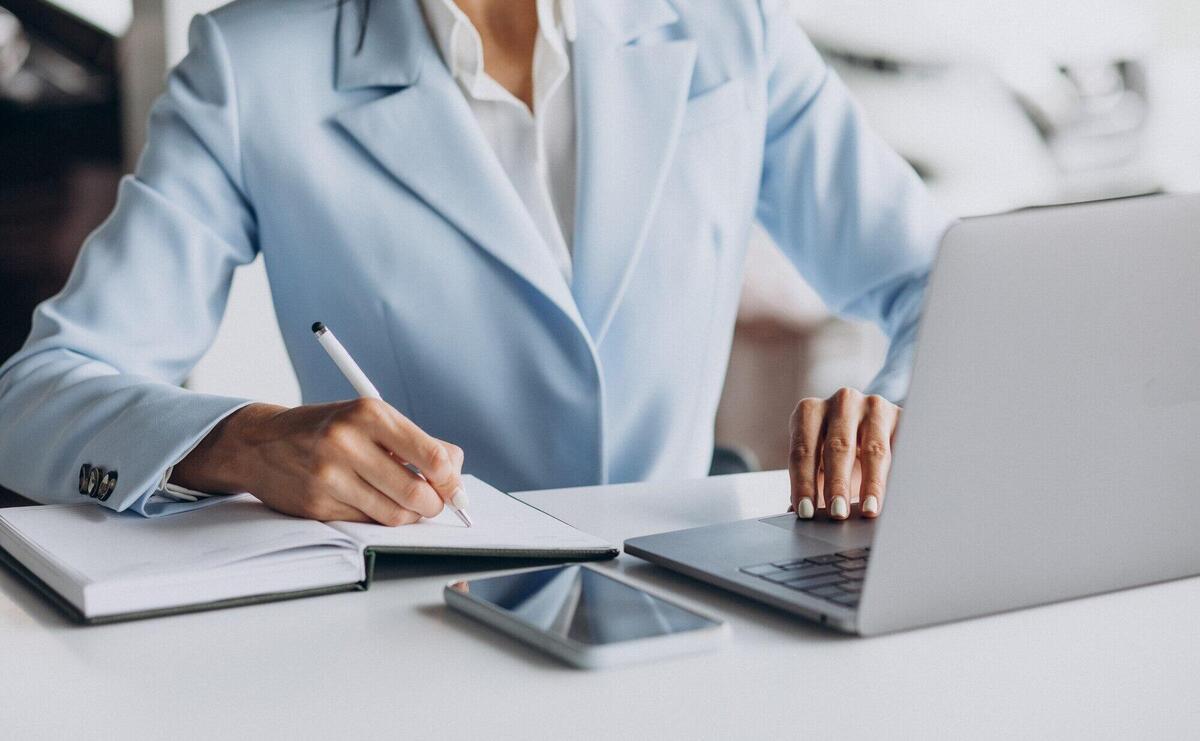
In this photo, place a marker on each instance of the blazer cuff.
(155, 504)
(893, 379)
(170, 499)
(171, 428)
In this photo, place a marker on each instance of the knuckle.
(367, 409)
(436, 454)
(455, 453)
(838, 444)
(876, 403)
(323, 473)
(316, 508)
(412, 492)
(877, 450)
(845, 395)
(803, 409)
(335, 439)
(395, 516)
(802, 451)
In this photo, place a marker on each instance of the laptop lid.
(1048, 449)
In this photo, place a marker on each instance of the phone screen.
(583, 605)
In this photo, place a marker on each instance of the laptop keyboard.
(835, 577)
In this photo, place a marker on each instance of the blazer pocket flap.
(714, 105)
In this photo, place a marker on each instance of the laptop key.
(760, 570)
(829, 590)
(814, 581)
(857, 553)
(789, 564)
(779, 577)
(857, 574)
(849, 600)
(858, 563)
(854, 587)
(825, 559)
(812, 569)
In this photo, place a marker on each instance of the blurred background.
(997, 106)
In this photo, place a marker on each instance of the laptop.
(1048, 448)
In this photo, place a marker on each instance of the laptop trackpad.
(841, 535)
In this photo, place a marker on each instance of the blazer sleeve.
(846, 209)
(97, 381)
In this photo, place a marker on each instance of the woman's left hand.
(841, 453)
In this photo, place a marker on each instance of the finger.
(838, 449)
(804, 460)
(457, 457)
(336, 511)
(353, 491)
(390, 476)
(875, 452)
(399, 434)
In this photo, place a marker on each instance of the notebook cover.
(369, 556)
(371, 552)
(67, 608)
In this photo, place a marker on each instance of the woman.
(526, 220)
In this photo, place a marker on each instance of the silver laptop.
(1049, 447)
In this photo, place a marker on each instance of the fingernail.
(839, 508)
(804, 510)
(459, 500)
(871, 505)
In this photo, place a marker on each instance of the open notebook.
(101, 566)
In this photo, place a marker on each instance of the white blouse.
(536, 148)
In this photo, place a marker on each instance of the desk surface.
(393, 660)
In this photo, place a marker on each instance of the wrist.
(222, 463)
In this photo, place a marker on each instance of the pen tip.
(318, 327)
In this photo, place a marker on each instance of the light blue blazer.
(358, 171)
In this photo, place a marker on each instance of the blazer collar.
(625, 20)
(630, 99)
(425, 136)
(388, 51)
(629, 102)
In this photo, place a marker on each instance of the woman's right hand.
(338, 461)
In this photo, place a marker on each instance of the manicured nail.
(839, 508)
(805, 509)
(871, 505)
(459, 500)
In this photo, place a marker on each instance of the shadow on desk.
(705, 596)
(394, 566)
(12, 499)
(494, 638)
(18, 595)
(730, 604)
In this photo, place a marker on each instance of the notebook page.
(77, 549)
(501, 524)
(99, 544)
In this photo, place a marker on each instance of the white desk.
(393, 662)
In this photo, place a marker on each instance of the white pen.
(363, 387)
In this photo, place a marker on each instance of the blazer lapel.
(630, 102)
(425, 135)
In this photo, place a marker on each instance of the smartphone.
(586, 617)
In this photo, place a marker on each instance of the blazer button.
(84, 472)
(93, 482)
(107, 484)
